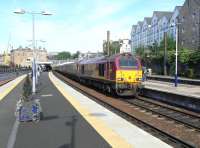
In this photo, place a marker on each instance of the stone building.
(189, 25)
(24, 56)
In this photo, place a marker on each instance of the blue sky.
(75, 24)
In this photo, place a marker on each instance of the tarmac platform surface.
(62, 126)
(71, 120)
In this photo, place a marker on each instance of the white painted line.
(12, 137)
(47, 95)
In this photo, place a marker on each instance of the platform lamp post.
(176, 68)
(176, 53)
(33, 13)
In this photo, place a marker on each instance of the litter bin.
(149, 72)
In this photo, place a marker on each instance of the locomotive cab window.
(127, 62)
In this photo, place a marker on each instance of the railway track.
(10, 78)
(159, 121)
(5, 81)
(181, 117)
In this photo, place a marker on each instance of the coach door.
(107, 70)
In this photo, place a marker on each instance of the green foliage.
(171, 56)
(153, 56)
(184, 55)
(27, 88)
(76, 55)
(114, 47)
(190, 73)
(156, 52)
(155, 49)
(195, 57)
(63, 55)
(140, 52)
(171, 44)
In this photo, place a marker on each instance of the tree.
(63, 55)
(154, 49)
(140, 52)
(171, 44)
(114, 47)
(187, 59)
(184, 55)
(76, 55)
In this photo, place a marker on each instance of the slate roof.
(160, 14)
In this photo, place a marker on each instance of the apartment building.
(151, 30)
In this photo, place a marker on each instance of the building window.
(193, 15)
(193, 41)
(183, 30)
(183, 19)
(193, 28)
(182, 42)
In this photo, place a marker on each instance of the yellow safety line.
(100, 126)
(9, 89)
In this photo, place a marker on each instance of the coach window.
(77, 67)
(82, 69)
(101, 69)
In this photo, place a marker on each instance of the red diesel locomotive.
(120, 73)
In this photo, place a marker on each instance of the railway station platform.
(71, 120)
(184, 95)
(182, 89)
(181, 80)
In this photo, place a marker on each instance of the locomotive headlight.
(120, 79)
(138, 79)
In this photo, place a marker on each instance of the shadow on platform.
(72, 124)
(97, 114)
(50, 118)
(65, 146)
